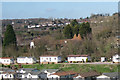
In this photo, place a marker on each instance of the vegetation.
(75, 28)
(9, 37)
(75, 67)
(98, 39)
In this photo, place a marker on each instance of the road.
(92, 63)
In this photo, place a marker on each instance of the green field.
(75, 67)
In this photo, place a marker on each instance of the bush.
(53, 63)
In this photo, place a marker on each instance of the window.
(7, 60)
(50, 59)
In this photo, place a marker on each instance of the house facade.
(50, 59)
(6, 61)
(116, 58)
(26, 60)
(103, 59)
(78, 58)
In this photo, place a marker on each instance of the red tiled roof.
(5, 58)
(88, 74)
(77, 55)
(65, 73)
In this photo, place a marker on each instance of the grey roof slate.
(112, 75)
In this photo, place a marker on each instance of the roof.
(5, 58)
(77, 55)
(113, 74)
(35, 73)
(26, 69)
(49, 56)
(65, 73)
(25, 57)
(88, 74)
(50, 70)
(6, 70)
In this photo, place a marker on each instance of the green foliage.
(68, 31)
(87, 60)
(74, 28)
(76, 67)
(85, 29)
(9, 36)
(74, 22)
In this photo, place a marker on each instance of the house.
(78, 58)
(33, 26)
(45, 73)
(6, 60)
(32, 45)
(108, 76)
(103, 59)
(26, 60)
(32, 74)
(116, 58)
(62, 75)
(25, 70)
(6, 73)
(50, 59)
(86, 76)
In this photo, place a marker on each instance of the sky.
(24, 10)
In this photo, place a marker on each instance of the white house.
(116, 58)
(103, 59)
(26, 60)
(32, 45)
(6, 60)
(49, 72)
(33, 26)
(6, 75)
(50, 59)
(33, 75)
(78, 58)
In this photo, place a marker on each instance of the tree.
(74, 22)
(9, 36)
(68, 31)
(76, 29)
(85, 29)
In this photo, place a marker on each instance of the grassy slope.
(76, 67)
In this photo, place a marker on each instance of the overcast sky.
(14, 10)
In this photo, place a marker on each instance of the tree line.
(77, 28)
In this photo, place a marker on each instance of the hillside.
(50, 40)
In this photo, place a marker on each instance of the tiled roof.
(77, 55)
(65, 73)
(50, 70)
(88, 74)
(5, 58)
(113, 74)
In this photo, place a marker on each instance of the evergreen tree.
(74, 22)
(9, 36)
(76, 29)
(85, 29)
(68, 32)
